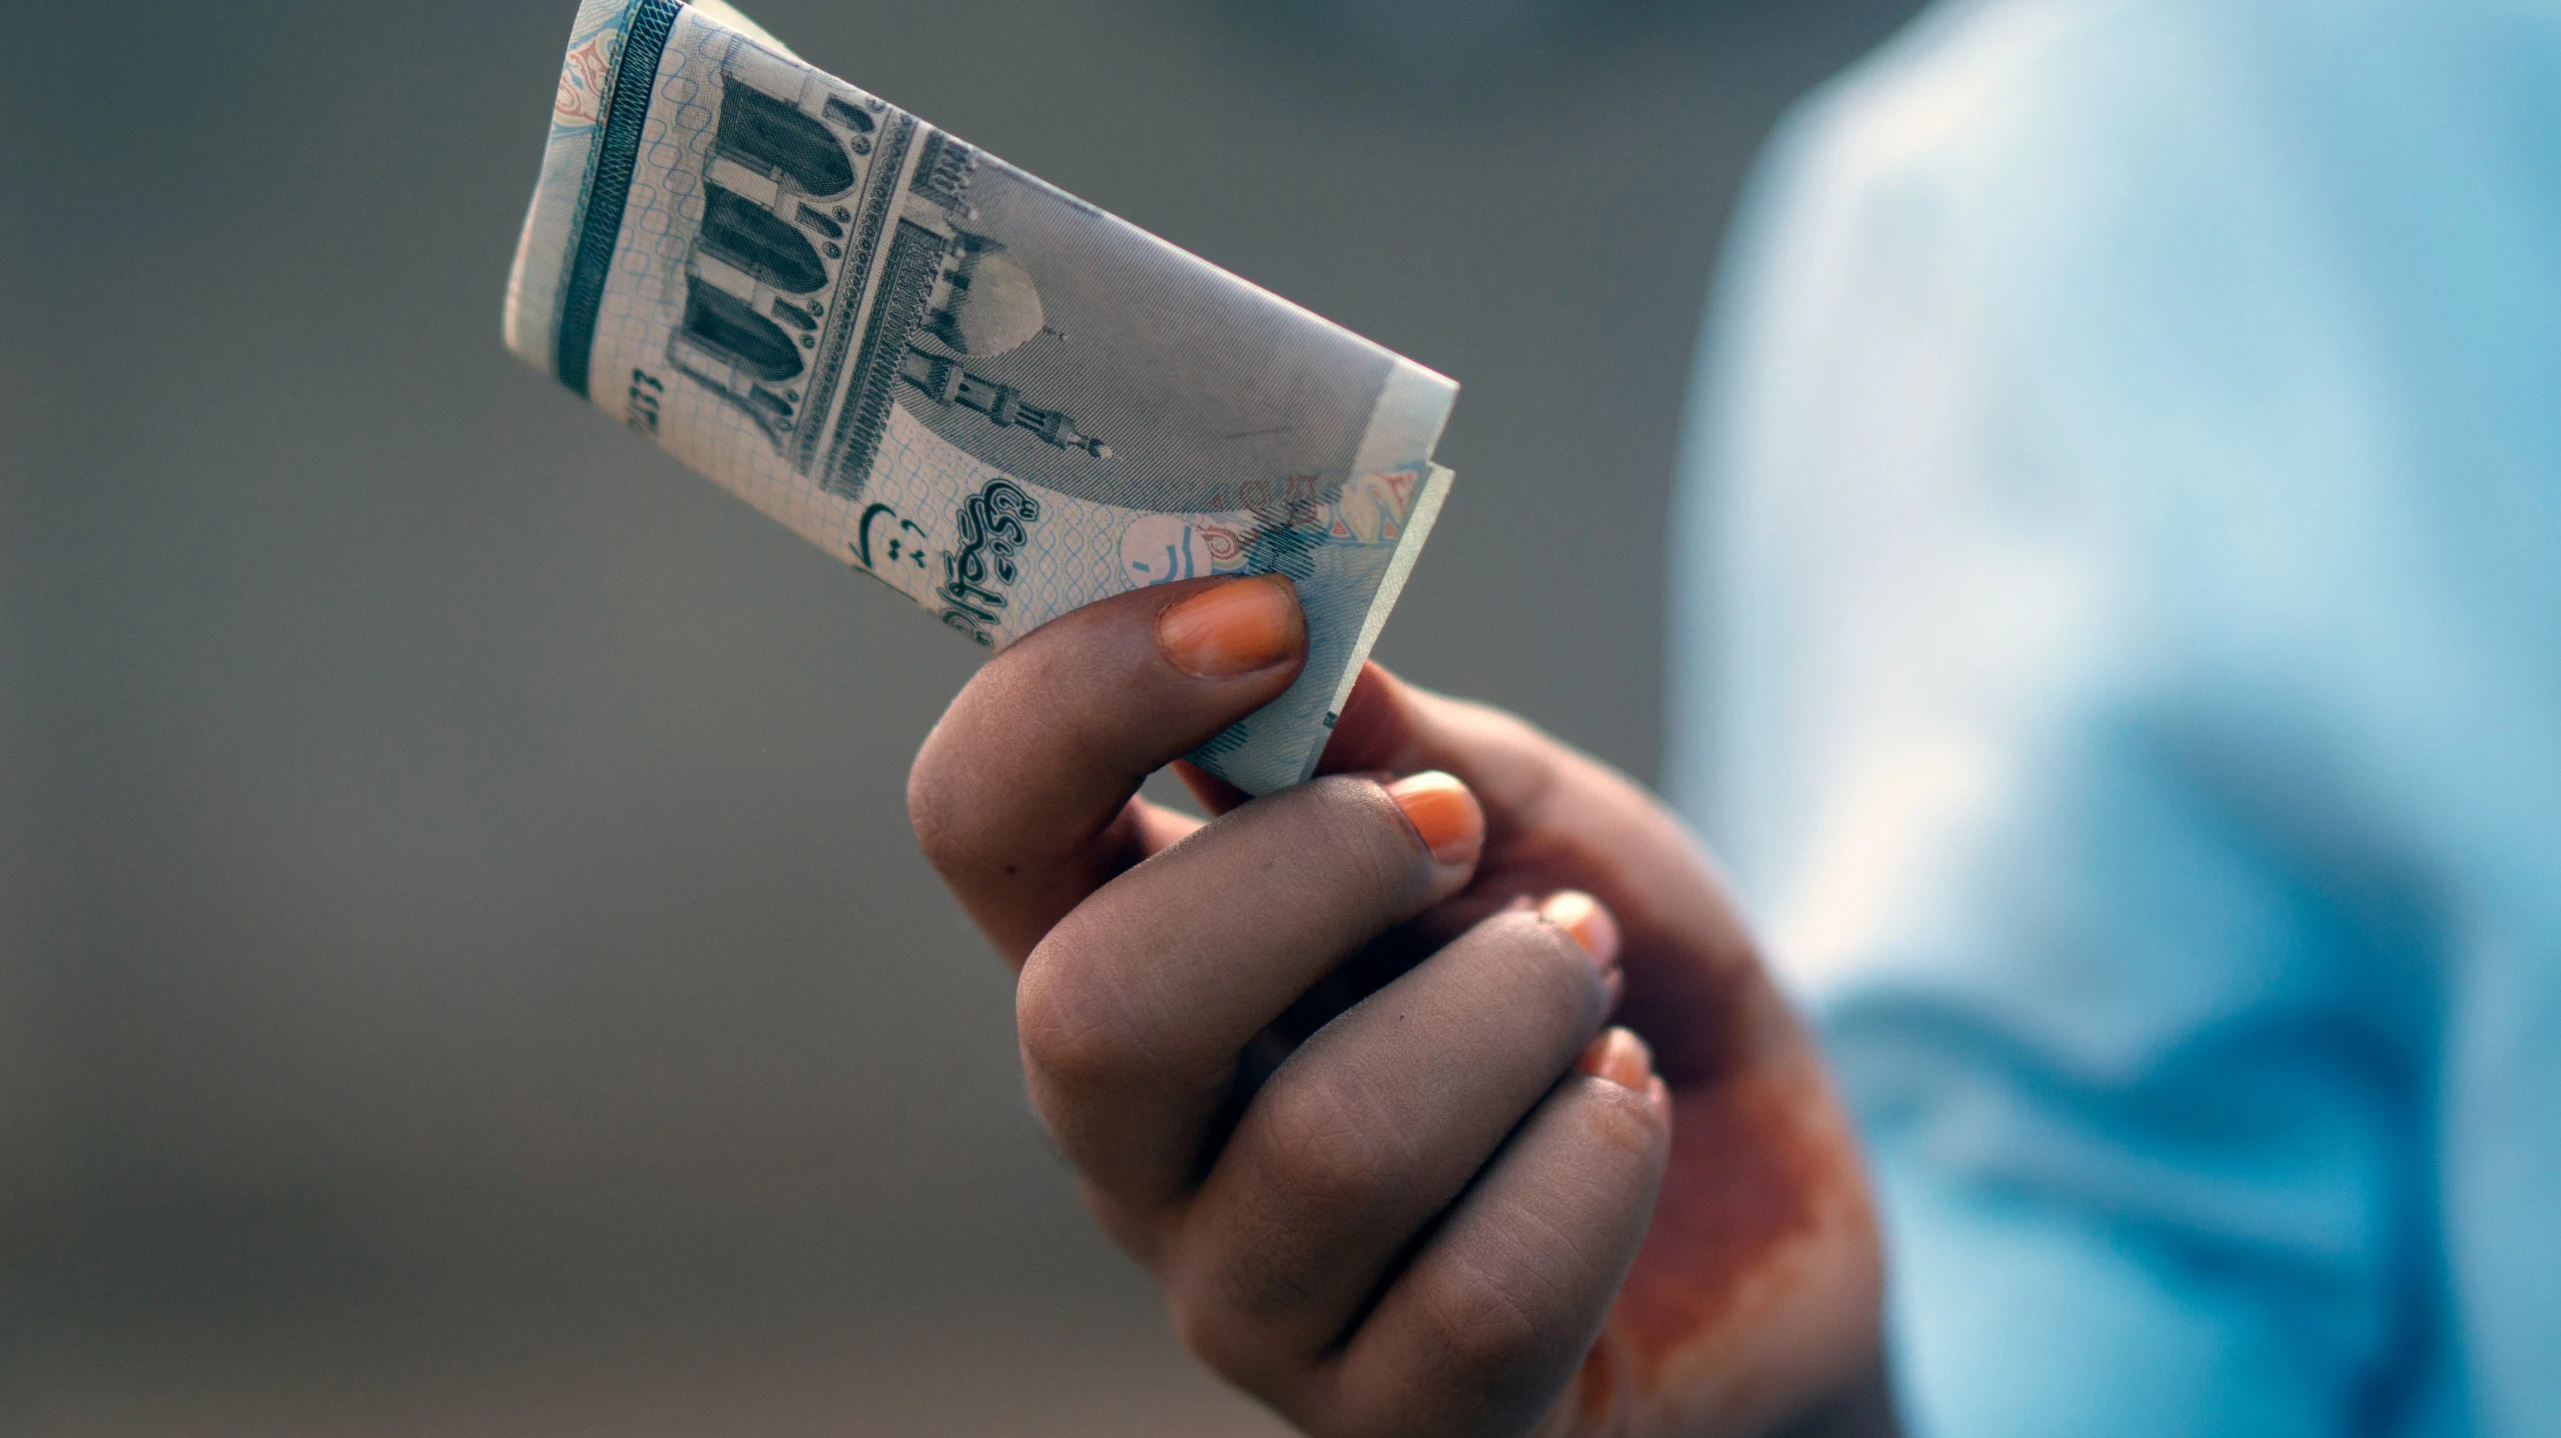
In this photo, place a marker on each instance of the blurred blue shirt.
(2120, 580)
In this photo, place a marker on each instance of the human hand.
(1327, 1064)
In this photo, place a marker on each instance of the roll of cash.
(985, 393)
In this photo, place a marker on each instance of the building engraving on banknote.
(991, 396)
(865, 221)
(783, 250)
(782, 262)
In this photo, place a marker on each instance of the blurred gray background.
(463, 965)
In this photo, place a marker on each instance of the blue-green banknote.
(989, 395)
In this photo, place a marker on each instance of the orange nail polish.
(1443, 812)
(1622, 1058)
(1233, 628)
(1581, 915)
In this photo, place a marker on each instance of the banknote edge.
(598, 231)
(1406, 422)
(536, 351)
(730, 17)
(1391, 588)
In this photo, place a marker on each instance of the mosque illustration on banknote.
(792, 293)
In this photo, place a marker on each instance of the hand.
(1328, 1063)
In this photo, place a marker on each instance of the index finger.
(1023, 796)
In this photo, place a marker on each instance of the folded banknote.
(986, 393)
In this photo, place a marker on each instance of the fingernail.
(1443, 812)
(1232, 628)
(1582, 916)
(1622, 1058)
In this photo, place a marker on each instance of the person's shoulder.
(1989, 94)
(2097, 100)
(1963, 69)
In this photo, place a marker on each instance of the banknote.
(989, 395)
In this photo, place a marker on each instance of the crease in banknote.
(991, 396)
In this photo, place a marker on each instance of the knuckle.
(1209, 1331)
(1229, 1340)
(956, 785)
(1075, 1030)
(1331, 1153)
(937, 809)
(1482, 1326)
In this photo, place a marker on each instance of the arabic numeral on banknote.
(640, 403)
(990, 396)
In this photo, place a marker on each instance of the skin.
(1323, 1084)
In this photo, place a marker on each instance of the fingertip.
(1588, 922)
(1619, 1056)
(1444, 815)
(1234, 628)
